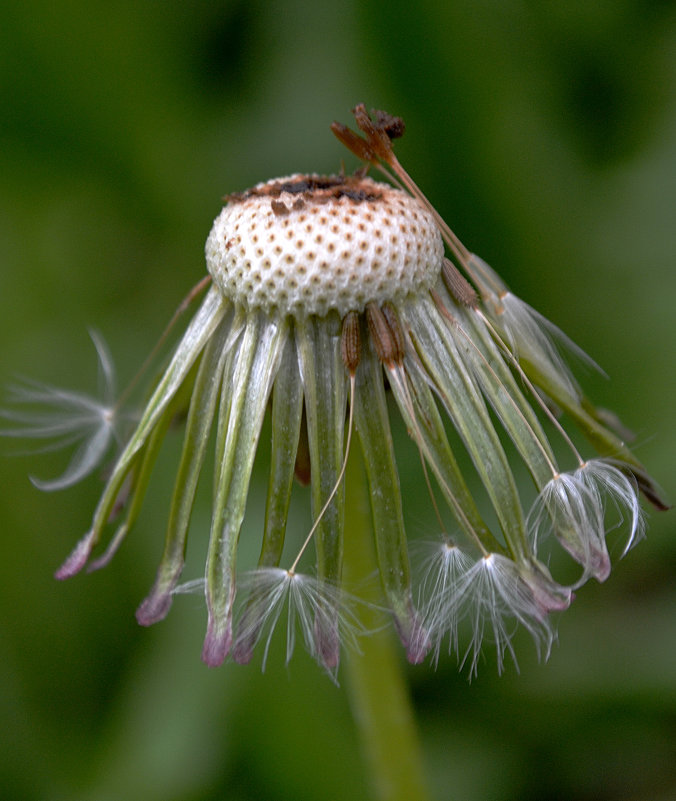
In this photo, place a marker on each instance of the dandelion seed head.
(307, 244)
(324, 293)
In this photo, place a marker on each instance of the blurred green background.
(545, 133)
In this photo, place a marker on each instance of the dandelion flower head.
(334, 303)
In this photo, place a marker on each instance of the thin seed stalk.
(376, 686)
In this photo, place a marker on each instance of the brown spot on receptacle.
(313, 188)
(357, 195)
(279, 209)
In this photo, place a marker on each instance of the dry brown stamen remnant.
(459, 287)
(379, 133)
(386, 333)
(375, 148)
(350, 342)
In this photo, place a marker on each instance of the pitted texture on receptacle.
(309, 244)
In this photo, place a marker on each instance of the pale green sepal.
(483, 357)
(605, 441)
(232, 347)
(421, 415)
(241, 417)
(325, 384)
(529, 335)
(287, 411)
(199, 331)
(202, 326)
(443, 365)
(140, 478)
(373, 426)
(199, 423)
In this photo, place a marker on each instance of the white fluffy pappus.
(324, 613)
(575, 507)
(489, 597)
(66, 417)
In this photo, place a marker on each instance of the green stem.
(377, 689)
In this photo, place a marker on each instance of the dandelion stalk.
(376, 686)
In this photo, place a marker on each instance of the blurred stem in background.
(377, 689)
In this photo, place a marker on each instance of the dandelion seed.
(325, 291)
(441, 590)
(67, 418)
(490, 596)
(497, 598)
(574, 506)
(319, 610)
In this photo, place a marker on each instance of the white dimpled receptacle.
(311, 244)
